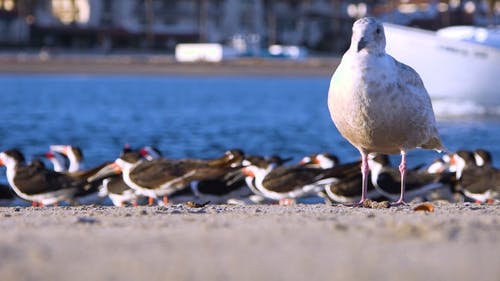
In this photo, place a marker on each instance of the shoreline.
(25, 63)
(254, 242)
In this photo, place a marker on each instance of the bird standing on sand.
(379, 104)
(34, 183)
(73, 153)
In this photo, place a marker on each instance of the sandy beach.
(150, 64)
(257, 242)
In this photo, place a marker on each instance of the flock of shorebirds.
(377, 103)
(143, 176)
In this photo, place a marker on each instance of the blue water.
(192, 116)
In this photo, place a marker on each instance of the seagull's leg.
(402, 170)
(365, 169)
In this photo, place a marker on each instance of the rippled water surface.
(191, 117)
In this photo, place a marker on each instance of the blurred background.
(320, 26)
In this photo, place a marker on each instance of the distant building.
(320, 25)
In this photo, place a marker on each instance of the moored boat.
(457, 64)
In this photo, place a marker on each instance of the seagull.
(378, 104)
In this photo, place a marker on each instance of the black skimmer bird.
(118, 191)
(483, 158)
(346, 189)
(444, 167)
(149, 152)
(163, 177)
(274, 161)
(287, 183)
(73, 153)
(379, 104)
(36, 184)
(227, 188)
(115, 187)
(387, 180)
(320, 160)
(478, 183)
(218, 184)
(60, 155)
(57, 160)
(439, 165)
(5, 193)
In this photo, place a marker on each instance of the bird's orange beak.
(116, 168)
(107, 171)
(247, 172)
(453, 161)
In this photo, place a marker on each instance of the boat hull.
(451, 69)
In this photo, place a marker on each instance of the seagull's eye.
(378, 30)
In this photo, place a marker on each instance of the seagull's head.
(368, 35)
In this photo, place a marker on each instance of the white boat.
(457, 64)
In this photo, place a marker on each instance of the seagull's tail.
(436, 144)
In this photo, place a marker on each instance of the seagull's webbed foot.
(355, 204)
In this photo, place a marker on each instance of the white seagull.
(378, 104)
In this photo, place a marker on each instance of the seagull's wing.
(420, 109)
(409, 76)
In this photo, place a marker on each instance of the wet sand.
(258, 242)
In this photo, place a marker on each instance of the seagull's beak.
(362, 44)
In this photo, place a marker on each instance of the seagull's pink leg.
(402, 170)
(365, 169)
